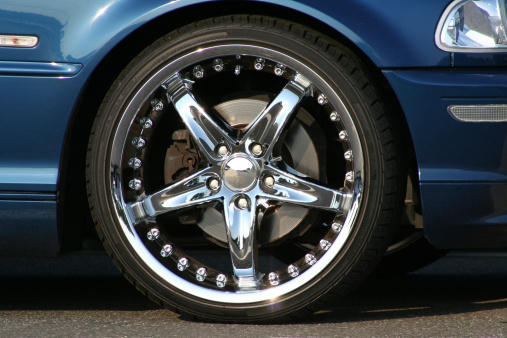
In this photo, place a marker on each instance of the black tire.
(309, 231)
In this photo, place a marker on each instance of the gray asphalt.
(82, 295)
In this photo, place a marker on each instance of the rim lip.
(119, 141)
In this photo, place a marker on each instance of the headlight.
(473, 26)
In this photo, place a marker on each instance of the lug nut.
(256, 149)
(222, 150)
(269, 182)
(242, 203)
(334, 116)
(213, 184)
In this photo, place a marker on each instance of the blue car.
(253, 161)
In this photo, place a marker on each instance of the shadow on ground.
(459, 283)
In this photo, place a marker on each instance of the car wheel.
(243, 169)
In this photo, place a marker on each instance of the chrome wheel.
(236, 171)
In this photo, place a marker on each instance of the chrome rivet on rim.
(293, 270)
(138, 142)
(334, 116)
(218, 65)
(310, 259)
(198, 72)
(157, 105)
(237, 69)
(166, 251)
(348, 155)
(147, 123)
(343, 135)
(273, 278)
(201, 274)
(135, 184)
(213, 184)
(337, 227)
(242, 203)
(279, 69)
(153, 234)
(321, 99)
(221, 280)
(325, 244)
(259, 64)
(349, 176)
(222, 150)
(135, 163)
(269, 182)
(183, 264)
(256, 149)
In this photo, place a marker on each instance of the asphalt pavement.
(83, 295)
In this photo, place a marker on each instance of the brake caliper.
(179, 161)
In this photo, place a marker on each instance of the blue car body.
(48, 95)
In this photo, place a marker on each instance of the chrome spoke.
(240, 218)
(202, 187)
(281, 186)
(204, 130)
(267, 127)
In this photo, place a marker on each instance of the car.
(252, 161)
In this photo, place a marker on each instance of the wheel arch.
(74, 220)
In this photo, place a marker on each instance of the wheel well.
(75, 224)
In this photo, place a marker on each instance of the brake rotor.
(280, 220)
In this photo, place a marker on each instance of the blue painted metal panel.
(39, 68)
(449, 150)
(37, 110)
(478, 218)
(462, 166)
(392, 33)
(34, 118)
(28, 228)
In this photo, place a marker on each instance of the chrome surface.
(157, 105)
(473, 26)
(153, 234)
(135, 184)
(322, 100)
(146, 122)
(240, 209)
(198, 72)
(218, 65)
(166, 251)
(135, 163)
(269, 182)
(222, 150)
(201, 274)
(337, 227)
(213, 184)
(221, 280)
(334, 116)
(479, 113)
(293, 270)
(239, 172)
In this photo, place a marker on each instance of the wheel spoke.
(241, 235)
(188, 192)
(295, 190)
(204, 130)
(268, 126)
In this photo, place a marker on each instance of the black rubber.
(384, 179)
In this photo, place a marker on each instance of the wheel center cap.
(240, 173)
